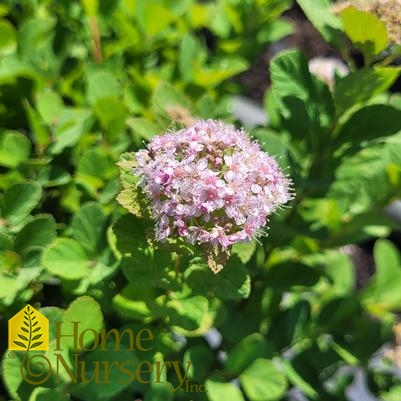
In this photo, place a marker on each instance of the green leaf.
(245, 352)
(94, 170)
(39, 232)
(274, 145)
(49, 394)
(117, 379)
(89, 228)
(91, 7)
(244, 250)
(34, 35)
(150, 267)
(14, 148)
(232, 282)
(338, 312)
(14, 383)
(341, 271)
(371, 122)
(304, 102)
(366, 30)
(263, 381)
(362, 85)
(191, 56)
(134, 201)
(95, 163)
(40, 133)
(218, 71)
(134, 301)
(143, 128)
(286, 275)
(50, 106)
(190, 315)
(18, 201)
(8, 41)
(67, 259)
(394, 394)
(9, 287)
(218, 390)
(146, 18)
(276, 30)
(166, 97)
(6, 243)
(72, 124)
(130, 235)
(201, 358)
(159, 391)
(100, 84)
(319, 13)
(361, 181)
(111, 112)
(52, 176)
(382, 293)
(86, 311)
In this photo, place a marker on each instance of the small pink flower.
(210, 184)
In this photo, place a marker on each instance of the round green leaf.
(190, 314)
(7, 37)
(66, 258)
(40, 231)
(50, 105)
(217, 391)
(245, 352)
(89, 227)
(18, 201)
(101, 84)
(14, 148)
(14, 383)
(262, 381)
(232, 282)
(86, 311)
(117, 379)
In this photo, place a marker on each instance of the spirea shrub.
(210, 185)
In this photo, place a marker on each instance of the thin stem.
(96, 39)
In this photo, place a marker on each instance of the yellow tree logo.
(28, 330)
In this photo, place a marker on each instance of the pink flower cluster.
(210, 184)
